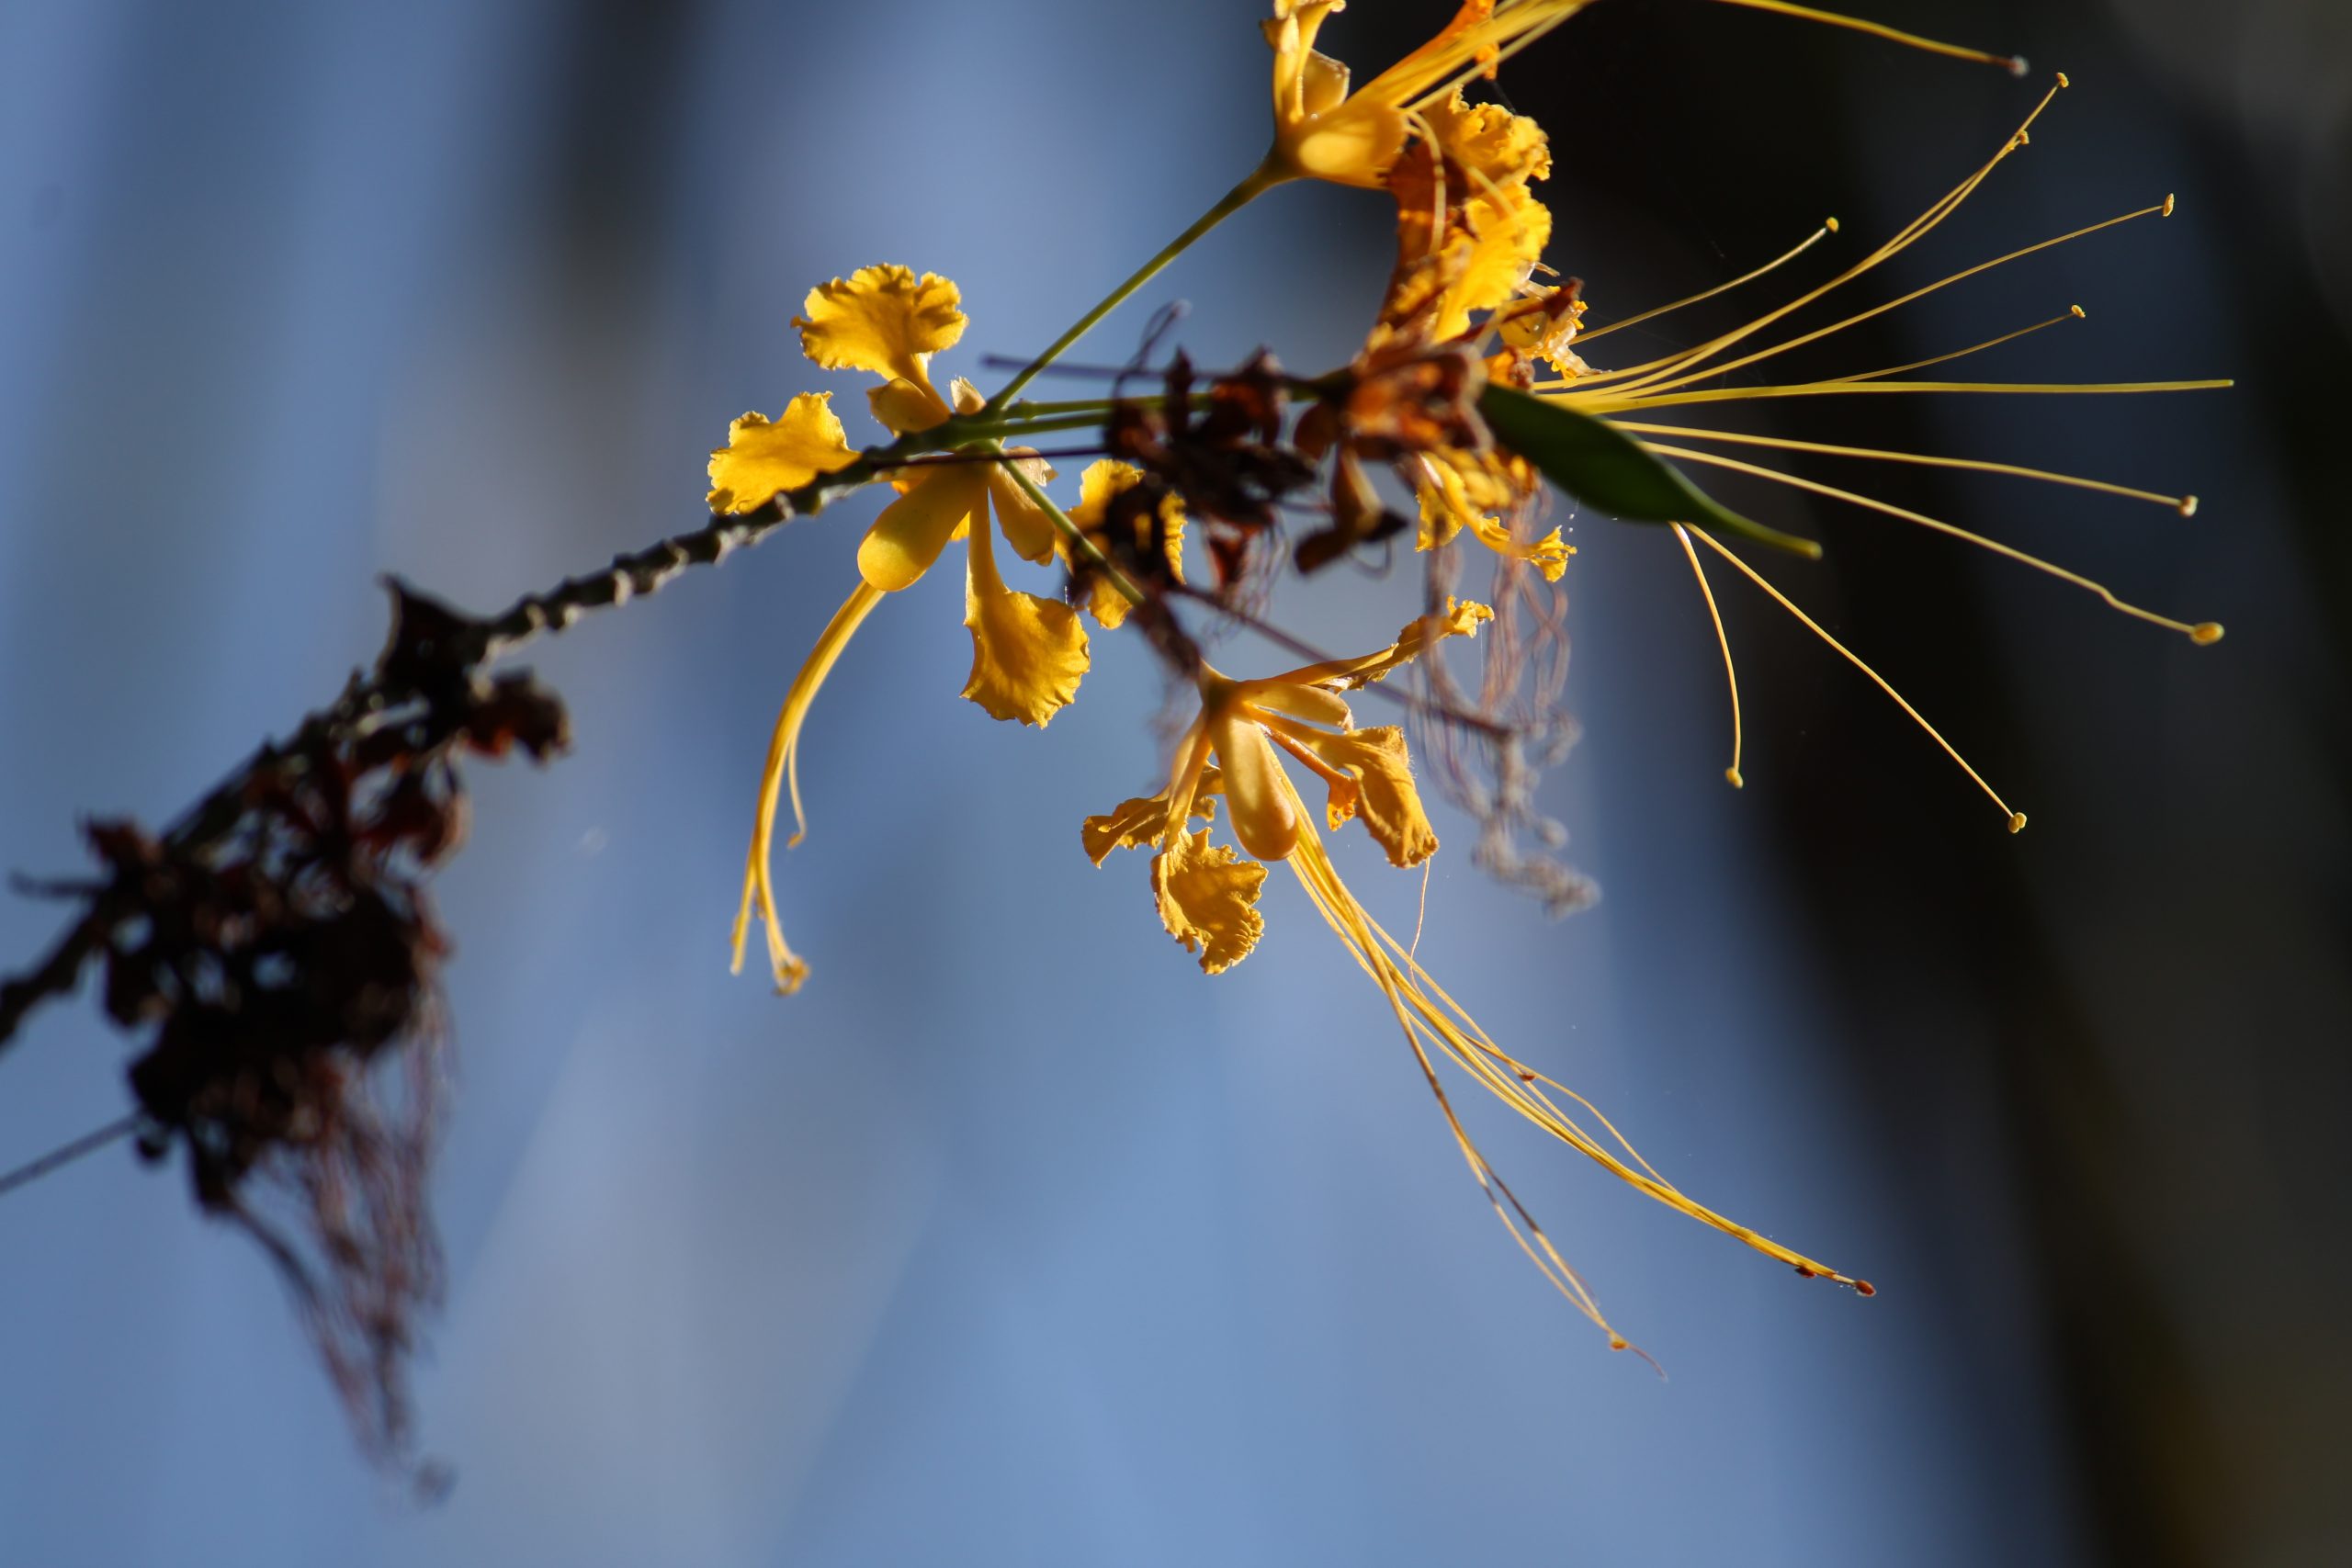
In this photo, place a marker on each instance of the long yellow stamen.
(784, 768)
(2202, 632)
(2184, 504)
(1668, 384)
(1429, 1018)
(1464, 58)
(1911, 232)
(1828, 226)
(2013, 64)
(1863, 384)
(2017, 818)
(1730, 673)
(2073, 313)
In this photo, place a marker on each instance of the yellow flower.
(1207, 896)
(1323, 131)
(1365, 772)
(1028, 652)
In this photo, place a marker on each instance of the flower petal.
(900, 406)
(1391, 806)
(1207, 899)
(1028, 653)
(1143, 821)
(882, 318)
(1262, 818)
(763, 456)
(914, 528)
(1026, 527)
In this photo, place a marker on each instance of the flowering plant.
(249, 935)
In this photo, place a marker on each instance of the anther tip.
(1830, 224)
(2024, 138)
(2189, 506)
(2019, 67)
(1864, 1288)
(2062, 78)
(2205, 634)
(2016, 821)
(2078, 312)
(1617, 1344)
(2166, 211)
(1732, 775)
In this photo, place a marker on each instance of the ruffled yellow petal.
(1384, 794)
(1028, 653)
(1442, 518)
(762, 457)
(1501, 241)
(882, 318)
(1143, 821)
(1208, 899)
(914, 528)
(1489, 144)
(1487, 253)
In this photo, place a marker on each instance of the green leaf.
(1606, 469)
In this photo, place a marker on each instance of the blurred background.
(1011, 1239)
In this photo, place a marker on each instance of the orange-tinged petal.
(1208, 899)
(882, 318)
(914, 528)
(763, 456)
(1385, 794)
(1028, 653)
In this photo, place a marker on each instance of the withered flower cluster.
(277, 949)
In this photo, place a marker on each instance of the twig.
(66, 1154)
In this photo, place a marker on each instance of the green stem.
(1070, 531)
(1261, 179)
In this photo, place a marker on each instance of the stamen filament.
(2013, 64)
(2202, 633)
(1911, 232)
(1856, 384)
(1800, 340)
(2017, 818)
(1731, 673)
(1921, 460)
(1432, 1018)
(1828, 226)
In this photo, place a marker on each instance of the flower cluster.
(1470, 405)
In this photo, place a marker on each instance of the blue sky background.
(1011, 1239)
